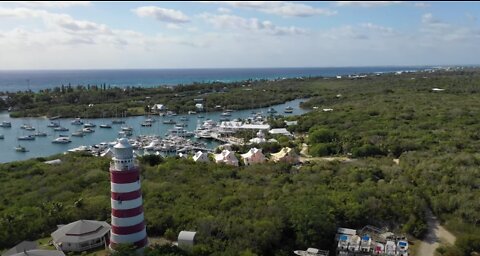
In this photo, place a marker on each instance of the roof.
(255, 126)
(80, 231)
(123, 143)
(252, 152)
(186, 235)
(23, 246)
(40, 253)
(199, 155)
(222, 156)
(283, 131)
(282, 153)
(55, 161)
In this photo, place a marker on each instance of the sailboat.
(20, 148)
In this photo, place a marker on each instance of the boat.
(78, 133)
(146, 124)
(27, 137)
(21, 149)
(30, 128)
(226, 113)
(89, 125)
(24, 126)
(61, 140)
(288, 109)
(6, 124)
(53, 124)
(77, 121)
(40, 134)
(88, 130)
(118, 121)
(272, 111)
(127, 128)
(105, 126)
(200, 116)
(181, 125)
(150, 120)
(2, 137)
(180, 132)
(60, 129)
(191, 112)
(125, 133)
(170, 121)
(183, 118)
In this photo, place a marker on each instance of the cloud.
(367, 3)
(421, 5)
(428, 18)
(51, 4)
(437, 30)
(162, 14)
(281, 8)
(235, 23)
(224, 10)
(377, 28)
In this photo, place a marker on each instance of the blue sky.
(71, 35)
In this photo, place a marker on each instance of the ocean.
(35, 80)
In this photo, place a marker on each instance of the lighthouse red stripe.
(128, 230)
(126, 196)
(127, 213)
(123, 177)
(139, 244)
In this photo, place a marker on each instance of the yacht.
(288, 109)
(62, 140)
(77, 121)
(180, 132)
(30, 128)
(191, 112)
(53, 124)
(60, 129)
(150, 120)
(118, 121)
(88, 130)
(6, 124)
(105, 126)
(272, 111)
(226, 113)
(126, 133)
(40, 134)
(127, 128)
(89, 125)
(78, 133)
(27, 137)
(21, 149)
(146, 124)
(170, 121)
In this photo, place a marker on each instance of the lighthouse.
(128, 221)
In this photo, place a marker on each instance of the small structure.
(81, 235)
(327, 109)
(311, 252)
(259, 139)
(253, 156)
(186, 240)
(201, 157)
(280, 131)
(286, 155)
(53, 162)
(158, 108)
(290, 123)
(226, 157)
(437, 90)
(199, 106)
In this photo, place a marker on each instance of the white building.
(253, 156)
(286, 155)
(259, 139)
(226, 157)
(159, 107)
(201, 157)
(81, 235)
(199, 106)
(186, 240)
(280, 131)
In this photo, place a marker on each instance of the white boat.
(89, 125)
(6, 124)
(62, 140)
(21, 149)
(24, 126)
(171, 121)
(30, 128)
(27, 137)
(78, 133)
(180, 132)
(127, 128)
(77, 121)
(125, 133)
(60, 129)
(105, 126)
(88, 130)
(53, 124)
(150, 120)
(191, 112)
(183, 118)
(40, 134)
(226, 114)
(146, 124)
(288, 109)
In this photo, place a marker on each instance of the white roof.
(283, 131)
(81, 231)
(55, 161)
(251, 152)
(186, 235)
(223, 155)
(123, 143)
(255, 126)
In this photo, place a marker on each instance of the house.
(280, 131)
(186, 240)
(81, 235)
(159, 108)
(226, 157)
(259, 139)
(286, 155)
(253, 156)
(201, 157)
(199, 106)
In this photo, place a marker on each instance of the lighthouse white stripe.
(125, 222)
(131, 238)
(124, 205)
(125, 188)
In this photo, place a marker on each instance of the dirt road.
(436, 234)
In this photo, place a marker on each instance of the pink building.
(128, 221)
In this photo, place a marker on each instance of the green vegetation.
(272, 209)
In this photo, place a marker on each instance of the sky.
(206, 34)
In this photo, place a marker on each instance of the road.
(436, 234)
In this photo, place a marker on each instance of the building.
(199, 106)
(226, 157)
(286, 155)
(186, 240)
(201, 157)
(128, 221)
(38, 252)
(253, 156)
(280, 131)
(81, 235)
(159, 108)
(259, 139)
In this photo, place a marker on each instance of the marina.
(131, 127)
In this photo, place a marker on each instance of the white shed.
(186, 240)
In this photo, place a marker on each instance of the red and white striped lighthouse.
(128, 221)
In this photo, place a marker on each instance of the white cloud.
(52, 4)
(223, 10)
(161, 14)
(421, 5)
(285, 9)
(367, 3)
(377, 28)
(235, 23)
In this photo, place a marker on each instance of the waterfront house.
(159, 108)
(81, 235)
(253, 156)
(201, 157)
(226, 157)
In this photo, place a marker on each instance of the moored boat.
(62, 140)
(27, 137)
(105, 126)
(21, 149)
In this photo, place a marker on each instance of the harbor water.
(43, 146)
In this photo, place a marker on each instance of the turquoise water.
(43, 146)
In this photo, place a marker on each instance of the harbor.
(105, 130)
